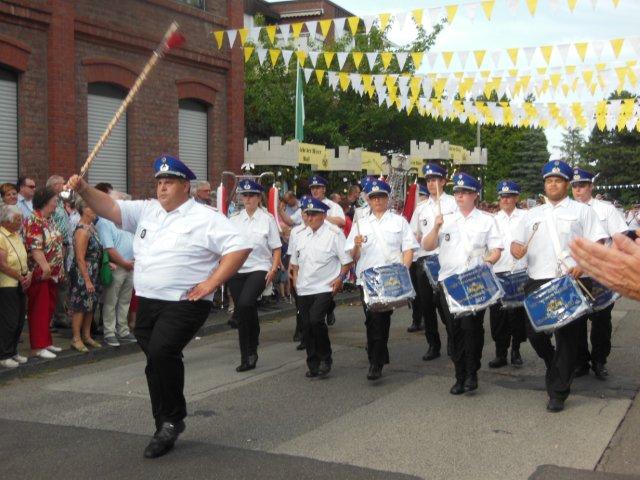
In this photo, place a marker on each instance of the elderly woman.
(9, 193)
(84, 278)
(46, 260)
(15, 279)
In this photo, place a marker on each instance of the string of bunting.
(628, 186)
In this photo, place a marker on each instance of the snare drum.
(387, 288)
(472, 290)
(556, 304)
(603, 296)
(513, 285)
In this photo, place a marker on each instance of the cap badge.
(375, 188)
(460, 182)
(247, 186)
(576, 176)
(555, 169)
(164, 167)
(505, 189)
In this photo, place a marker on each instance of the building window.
(194, 151)
(111, 163)
(193, 3)
(8, 126)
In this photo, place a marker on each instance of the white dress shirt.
(423, 218)
(393, 229)
(610, 218)
(295, 231)
(177, 250)
(507, 225)
(571, 219)
(335, 210)
(262, 232)
(26, 206)
(464, 241)
(320, 256)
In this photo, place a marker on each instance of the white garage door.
(8, 127)
(193, 137)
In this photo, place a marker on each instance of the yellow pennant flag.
(465, 86)
(616, 46)
(546, 50)
(417, 59)
(328, 58)
(541, 70)
(325, 25)
(565, 89)
(479, 56)
(615, 3)
(219, 36)
(248, 51)
(271, 33)
(532, 5)
(415, 84)
(633, 79)
(525, 79)
(513, 72)
(417, 15)
(572, 4)
(371, 91)
(412, 103)
(386, 58)
(384, 20)
(296, 28)
(366, 80)
(581, 48)
(353, 24)
(513, 55)
(389, 82)
(357, 58)
(274, 54)
(621, 73)
(243, 32)
(451, 12)
(487, 6)
(319, 76)
(344, 80)
(301, 56)
(438, 86)
(447, 56)
(601, 115)
(587, 76)
(592, 88)
(555, 79)
(485, 74)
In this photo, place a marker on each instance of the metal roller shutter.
(111, 163)
(193, 137)
(8, 127)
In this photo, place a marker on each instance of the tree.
(572, 146)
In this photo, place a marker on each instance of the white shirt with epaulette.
(610, 218)
(507, 225)
(320, 256)
(423, 218)
(177, 250)
(335, 210)
(262, 231)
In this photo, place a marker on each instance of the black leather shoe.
(415, 327)
(331, 319)
(324, 369)
(375, 372)
(471, 383)
(600, 370)
(457, 389)
(301, 346)
(516, 359)
(243, 367)
(555, 405)
(498, 362)
(252, 360)
(311, 374)
(431, 354)
(581, 371)
(164, 439)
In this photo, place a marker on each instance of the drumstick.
(438, 198)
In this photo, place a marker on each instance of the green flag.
(299, 105)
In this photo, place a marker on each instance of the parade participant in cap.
(612, 222)
(318, 190)
(415, 271)
(295, 231)
(258, 270)
(555, 223)
(508, 325)
(422, 222)
(466, 238)
(379, 231)
(184, 251)
(319, 265)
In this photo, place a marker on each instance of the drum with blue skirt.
(387, 287)
(431, 267)
(602, 295)
(472, 290)
(513, 285)
(556, 304)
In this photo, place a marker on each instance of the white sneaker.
(44, 353)
(54, 349)
(9, 363)
(19, 359)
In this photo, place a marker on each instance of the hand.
(518, 250)
(25, 282)
(201, 290)
(358, 241)
(76, 183)
(418, 237)
(439, 220)
(575, 272)
(46, 273)
(336, 285)
(128, 266)
(269, 276)
(112, 266)
(90, 287)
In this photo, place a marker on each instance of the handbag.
(106, 275)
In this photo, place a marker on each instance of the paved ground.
(93, 420)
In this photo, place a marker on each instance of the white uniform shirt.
(423, 218)
(319, 256)
(335, 210)
(177, 250)
(507, 225)
(293, 236)
(394, 231)
(262, 232)
(633, 219)
(464, 241)
(572, 219)
(610, 218)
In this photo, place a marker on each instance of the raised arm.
(98, 201)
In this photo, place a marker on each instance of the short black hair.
(104, 187)
(42, 196)
(22, 180)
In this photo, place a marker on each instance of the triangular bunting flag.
(325, 26)
(231, 35)
(338, 27)
(401, 18)
(386, 58)
(357, 58)
(417, 15)
(286, 56)
(616, 46)
(479, 56)
(313, 56)
(472, 11)
(401, 57)
(528, 53)
(243, 32)
(271, 33)
(262, 55)
(254, 34)
(487, 7)
(248, 51)
(462, 57)
(598, 47)
(274, 54)
(581, 49)
(219, 36)
(296, 28)
(312, 28)
(307, 74)
(532, 5)
(319, 76)
(344, 80)
(446, 58)
(371, 59)
(513, 6)
(417, 59)
(513, 55)
(495, 56)
(572, 4)
(431, 58)
(546, 51)
(353, 24)
(342, 57)
(328, 58)
(301, 55)
(451, 12)
(285, 31)
(368, 22)
(384, 20)
(564, 52)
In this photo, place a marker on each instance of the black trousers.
(467, 334)
(12, 315)
(430, 301)
(508, 326)
(313, 311)
(416, 304)
(600, 338)
(163, 329)
(377, 324)
(245, 289)
(561, 360)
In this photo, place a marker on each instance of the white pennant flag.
(333, 79)
(313, 56)
(254, 34)
(598, 47)
(371, 58)
(431, 58)
(285, 30)
(307, 74)
(368, 22)
(635, 44)
(495, 56)
(378, 81)
(382, 97)
(528, 52)
(231, 34)
(513, 6)
(404, 90)
(427, 87)
(437, 14)
(463, 55)
(401, 18)
(472, 11)
(342, 57)
(388, 101)
(402, 59)
(554, 4)
(403, 80)
(380, 90)
(338, 25)
(286, 56)
(262, 54)
(356, 79)
(564, 52)
(312, 28)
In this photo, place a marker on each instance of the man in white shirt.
(26, 189)
(415, 271)
(543, 236)
(295, 231)
(318, 189)
(612, 222)
(466, 238)
(508, 325)
(184, 251)
(319, 264)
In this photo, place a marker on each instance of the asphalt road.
(93, 420)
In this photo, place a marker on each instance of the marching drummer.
(379, 238)
(319, 265)
(258, 270)
(415, 271)
(544, 236)
(612, 222)
(466, 238)
(422, 222)
(508, 325)
(295, 231)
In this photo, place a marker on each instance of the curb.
(71, 358)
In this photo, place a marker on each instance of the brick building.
(66, 65)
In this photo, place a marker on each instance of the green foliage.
(572, 146)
